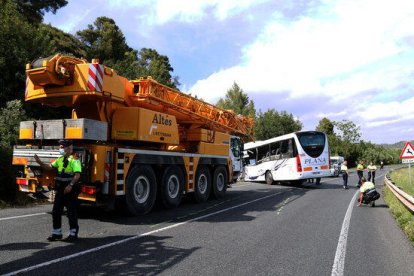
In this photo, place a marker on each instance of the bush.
(10, 117)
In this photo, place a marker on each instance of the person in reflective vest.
(367, 193)
(371, 172)
(360, 172)
(345, 174)
(69, 169)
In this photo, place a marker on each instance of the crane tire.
(172, 186)
(220, 180)
(141, 189)
(202, 184)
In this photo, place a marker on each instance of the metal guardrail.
(405, 198)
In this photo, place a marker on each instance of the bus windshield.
(312, 142)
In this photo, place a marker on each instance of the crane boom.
(188, 109)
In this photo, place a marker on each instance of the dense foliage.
(272, 124)
(104, 40)
(344, 140)
(10, 116)
(238, 101)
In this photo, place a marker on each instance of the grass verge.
(401, 214)
(402, 180)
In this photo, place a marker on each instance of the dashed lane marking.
(282, 206)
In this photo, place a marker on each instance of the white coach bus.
(292, 158)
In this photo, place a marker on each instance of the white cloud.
(70, 24)
(164, 11)
(349, 52)
(380, 114)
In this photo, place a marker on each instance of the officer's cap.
(65, 143)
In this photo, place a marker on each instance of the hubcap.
(173, 185)
(268, 177)
(202, 184)
(220, 182)
(141, 189)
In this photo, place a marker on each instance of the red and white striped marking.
(27, 90)
(106, 175)
(95, 77)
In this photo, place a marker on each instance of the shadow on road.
(149, 255)
(189, 209)
(23, 246)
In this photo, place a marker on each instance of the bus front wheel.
(269, 178)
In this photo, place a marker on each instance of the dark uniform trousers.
(360, 175)
(371, 175)
(345, 179)
(69, 200)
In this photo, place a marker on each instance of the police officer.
(345, 174)
(371, 172)
(67, 190)
(365, 187)
(360, 172)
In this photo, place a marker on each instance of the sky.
(340, 59)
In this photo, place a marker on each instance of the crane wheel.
(220, 180)
(202, 184)
(141, 189)
(172, 186)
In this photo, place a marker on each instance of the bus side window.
(291, 142)
(275, 150)
(284, 149)
(262, 153)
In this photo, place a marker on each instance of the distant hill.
(398, 145)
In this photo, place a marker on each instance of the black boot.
(54, 237)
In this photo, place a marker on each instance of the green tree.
(16, 48)
(348, 131)
(10, 116)
(151, 63)
(56, 41)
(104, 40)
(326, 126)
(349, 143)
(272, 124)
(21, 43)
(238, 101)
(33, 10)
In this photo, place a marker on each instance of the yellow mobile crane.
(133, 137)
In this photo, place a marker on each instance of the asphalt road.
(255, 230)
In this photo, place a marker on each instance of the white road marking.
(134, 237)
(339, 262)
(23, 216)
